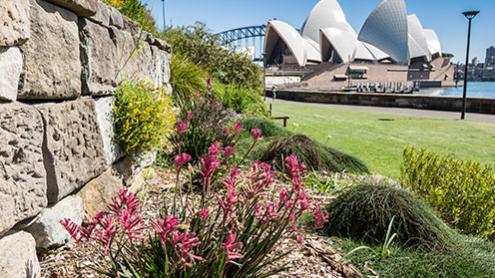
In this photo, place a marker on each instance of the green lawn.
(379, 138)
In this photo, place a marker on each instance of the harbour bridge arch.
(245, 38)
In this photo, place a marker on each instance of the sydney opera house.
(326, 52)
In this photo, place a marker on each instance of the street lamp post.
(469, 15)
(163, 14)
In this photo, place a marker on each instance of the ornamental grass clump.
(364, 212)
(316, 156)
(143, 117)
(228, 229)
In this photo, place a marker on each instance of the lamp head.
(470, 14)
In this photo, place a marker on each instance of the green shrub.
(315, 155)
(203, 48)
(364, 212)
(186, 79)
(143, 117)
(462, 191)
(244, 100)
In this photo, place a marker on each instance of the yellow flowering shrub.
(143, 117)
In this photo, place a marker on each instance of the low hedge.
(462, 191)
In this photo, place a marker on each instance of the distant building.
(391, 47)
(490, 57)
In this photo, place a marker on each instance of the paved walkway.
(481, 118)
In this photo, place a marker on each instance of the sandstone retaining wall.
(60, 63)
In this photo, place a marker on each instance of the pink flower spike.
(233, 247)
(228, 151)
(188, 115)
(132, 224)
(300, 239)
(72, 228)
(321, 217)
(181, 160)
(237, 128)
(181, 128)
(256, 134)
(124, 200)
(204, 213)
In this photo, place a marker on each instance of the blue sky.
(444, 16)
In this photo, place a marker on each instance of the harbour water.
(475, 89)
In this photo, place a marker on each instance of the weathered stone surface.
(14, 18)
(52, 64)
(22, 175)
(105, 123)
(102, 15)
(140, 66)
(148, 63)
(79, 7)
(73, 148)
(116, 18)
(10, 71)
(126, 169)
(100, 58)
(161, 69)
(46, 228)
(18, 256)
(161, 44)
(132, 27)
(98, 193)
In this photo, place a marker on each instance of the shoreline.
(413, 101)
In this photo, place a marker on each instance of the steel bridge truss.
(230, 36)
(245, 37)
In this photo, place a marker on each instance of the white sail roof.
(362, 53)
(343, 42)
(386, 28)
(377, 53)
(292, 39)
(434, 45)
(418, 46)
(326, 14)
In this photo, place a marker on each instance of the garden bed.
(315, 258)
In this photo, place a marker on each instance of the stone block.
(22, 174)
(73, 147)
(132, 27)
(14, 18)
(161, 66)
(140, 66)
(10, 71)
(161, 44)
(102, 15)
(99, 59)
(98, 193)
(18, 256)
(116, 18)
(52, 64)
(79, 7)
(105, 118)
(46, 228)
